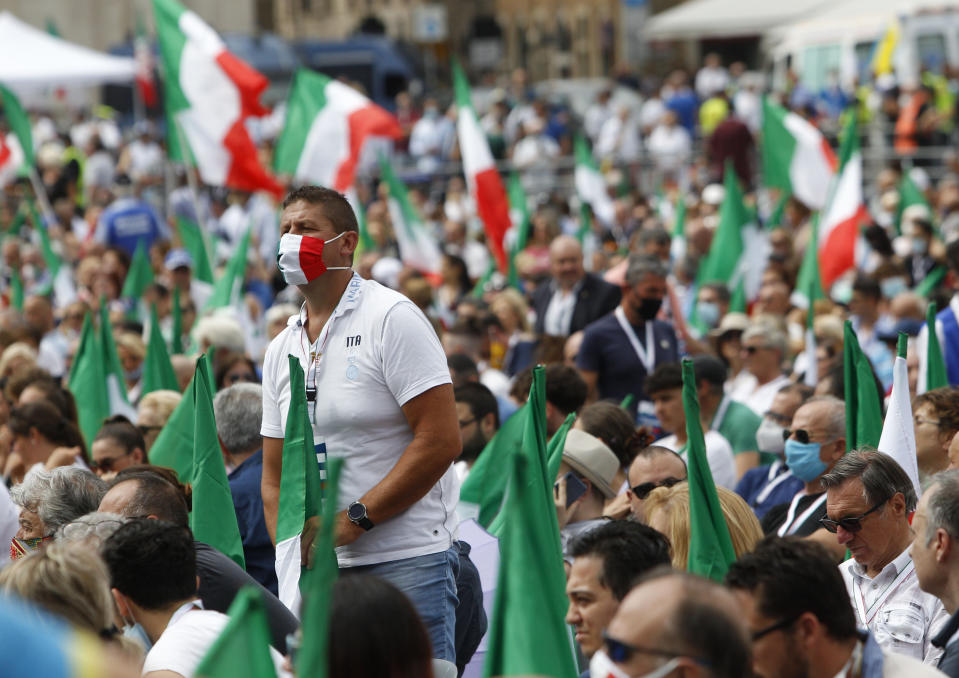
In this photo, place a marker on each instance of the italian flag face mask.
(300, 258)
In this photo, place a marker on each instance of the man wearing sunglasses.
(802, 625)
(654, 466)
(674, 624)
(814, 443)
(868, 501)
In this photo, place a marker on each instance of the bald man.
(572, 298)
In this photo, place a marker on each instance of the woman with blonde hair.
(516, 342)
(68, 580)
(667, 510)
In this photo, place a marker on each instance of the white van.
(842, 39)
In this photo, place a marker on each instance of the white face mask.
(601, 666)
(769, 437)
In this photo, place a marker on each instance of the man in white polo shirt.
(379, 396)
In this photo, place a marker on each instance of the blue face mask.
(138, 635)
(803, 460)
(708, 313)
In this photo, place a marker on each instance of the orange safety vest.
(906, 127)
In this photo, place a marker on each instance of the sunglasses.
(753, 349)
(643, 489)
(106, 464)
(853, 524)
(778, 626)
(802, 435)
(621, 652)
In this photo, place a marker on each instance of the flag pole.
(190, 176)
(41, 194)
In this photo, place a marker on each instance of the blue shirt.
(258, 550)
(767, 486)
(127, 221)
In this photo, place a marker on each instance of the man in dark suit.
(572, 298)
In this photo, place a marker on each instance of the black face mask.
(649, 307)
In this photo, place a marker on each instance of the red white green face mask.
(300, 258)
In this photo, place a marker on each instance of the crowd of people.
(843, 566)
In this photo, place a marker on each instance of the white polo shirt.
(376, 353)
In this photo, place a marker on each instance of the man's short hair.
(641, 265)
(882, 477)
(463, 367)
(789, 576)
(710, 370)
(720, 288)
(664, 378)
(836, 421)
(772, 337)
(657, 451)
(154, 496)
(566, 390)
(703, 627)
(626, 549)
(867, 285)
(335, 206)
(943, 504)
(152, 562)
(657, 235)
(801, 390)
(945, 402)
(238, 410)
(480, 399)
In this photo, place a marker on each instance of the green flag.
(527, 631)
(194, 242)
(176, 341)
(863, 400)
(86, 383)
(909, 195)
(50, 258)
(242, 650)
(96, 378)
(519, 212)
(16, 289)
(157, 370)
(554, 450)
(936, 374)
(52, 28)
(213, 519)
(19, 123)
(366, 243)
(932, 281)
(299, 488)
(140, 274)
(486, 277)
(628, 402)
(486, 483)
(229, 288)
(173, 447)
(776, 216)
(710, 546)
(318, 584)
(809, 280)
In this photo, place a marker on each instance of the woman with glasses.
(234, 368)
(117, 445)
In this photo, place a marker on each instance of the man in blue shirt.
(239, 412)
(129, 219)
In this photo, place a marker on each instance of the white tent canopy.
(31, 58)
(698, 19)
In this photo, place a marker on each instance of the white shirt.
(710, 80)
(719, 454)
(186, 640)
(670, 146)
(559, 312)
(901, 616)
(376, 353)
(750, 393)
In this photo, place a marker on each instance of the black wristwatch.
(357, 515)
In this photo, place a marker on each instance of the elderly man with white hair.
(239, 414)
(763, 349)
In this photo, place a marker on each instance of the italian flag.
(294, 246)
(483, 179)
(300, 482)
(326, 125)
(16, 148)
(590, 185)
(796, 157)
(898, 438)
(844, 213)
(209, 95)
(418, 249)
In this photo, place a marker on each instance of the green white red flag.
(797, 158)
(482, 177)
(327, 123)
(209, 95)
(418, 248)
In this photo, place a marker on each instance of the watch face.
(356, 511)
